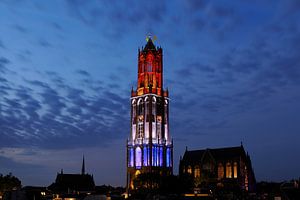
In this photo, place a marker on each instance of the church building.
(228, 168)
(72, 185)
(149, 146)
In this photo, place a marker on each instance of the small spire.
(241, 143)
(149, 46)
(83, 166)
(186, 149)
(62, 171)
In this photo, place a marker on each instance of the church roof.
(149, 46)
(73, 182)
(217, 154)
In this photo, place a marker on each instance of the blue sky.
(67, 68)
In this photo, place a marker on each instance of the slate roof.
(218, 154)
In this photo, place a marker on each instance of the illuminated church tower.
(149, 147)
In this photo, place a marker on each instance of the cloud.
(44, 43)
(20, 28)
(238, 81)
(148, 15)
(2, 45)
(24, 55)
(196, 5)
(57, 26)
(38, 83)
(8, 165)
(83, 73)
(290, 7)
(3, 61)
(41, 114)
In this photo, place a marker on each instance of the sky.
(67, 67)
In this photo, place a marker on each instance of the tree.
(156, 183)
(8, 183)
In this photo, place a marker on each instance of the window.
(153, 107)
(220, 171)
(197, 171)
(169, 159)
(134, 114)
(140, 110)
(140, 128)
(235, 172)
(154, 155)
(146, 156)
(161, 156)
(138, 157)
(246, 179)
(130, 157)
(189, 169)
(148, 67)
(147, 111)
(228, 170)
(158, 130)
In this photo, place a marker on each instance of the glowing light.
(131, 158)
(169, 157)
(235, 173)
(145, 156)
(154, 156)
(138, 157)
(228, 170)
(160, 156)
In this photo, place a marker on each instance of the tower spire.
(83, 166)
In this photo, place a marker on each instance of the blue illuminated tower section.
(149, 146)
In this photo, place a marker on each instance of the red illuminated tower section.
(150, 70)
(149, 146)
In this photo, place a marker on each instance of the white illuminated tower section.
(149, 146)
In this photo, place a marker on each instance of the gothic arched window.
(220, 171)
(235, 170)
(140, 107)
(189, 169)
(148, 67)
(197, 171)
(138, 157)
(228, 170)
(153, 106)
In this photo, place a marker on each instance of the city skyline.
(67, 68)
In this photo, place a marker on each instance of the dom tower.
(149, 147)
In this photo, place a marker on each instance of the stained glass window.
(145, 156)
(138, 157)
(130, 157)
(169, 162)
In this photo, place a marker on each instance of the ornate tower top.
(150, 70)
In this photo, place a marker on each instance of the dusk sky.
(67, 67)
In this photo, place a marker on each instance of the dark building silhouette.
(73, 184)
(228, 168)
(149, 146)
